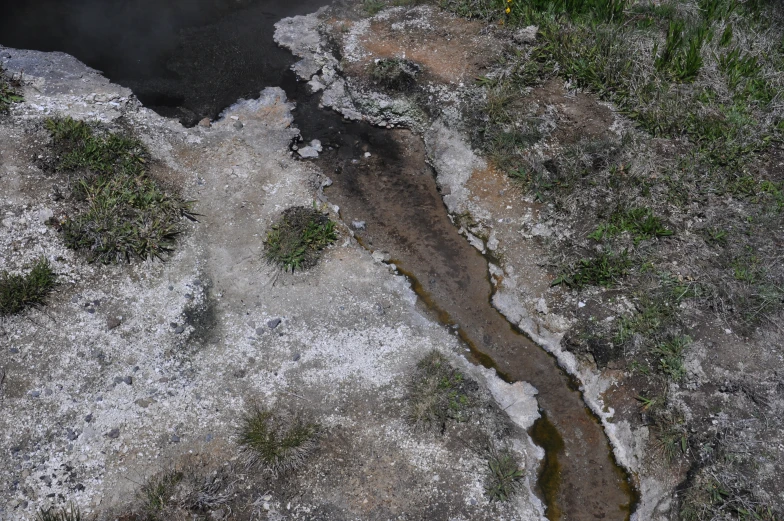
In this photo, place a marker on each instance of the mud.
(392, 189)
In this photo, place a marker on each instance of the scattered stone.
(128, 380)
(143, 403)
(88, 418)
(358, 225)
(71, 435)
(175, 438)
(205, 123)
(91, 310)
(112, 323)
(541, 306)
(35, 394)
(308, 152)
(179, 330)
(379, 308)
(272, 324)
(316, 144)
(367, 154)
(14, 350)
(381, 256)
(238, 125)
(259, 331)
(526, 34)
(296, 357)
(48, 392)
(209, 438)
(113, 434)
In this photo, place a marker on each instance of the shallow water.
(394, 192)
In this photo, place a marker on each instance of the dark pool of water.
(186, 59)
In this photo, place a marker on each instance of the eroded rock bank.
(132, 369)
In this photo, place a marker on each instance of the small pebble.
(91, 310)
(259, 331)
(35, 394)
(175, 438)
(112, 322)
(272, 324)
(114, 433)
(208, 438)
(88, 418)
(178, 330)
(71, 435)
(238, 125)
(128, 380)
(296, 357)
(48, 392)
(14, 350)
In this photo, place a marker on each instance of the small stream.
(393, 190)
(196, 57)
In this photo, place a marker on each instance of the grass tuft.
(439, 393)
(639, 223)
(8, 92)
(603, 270)
(71, 513)
(504, 476)
(121, 213)
(19, 292)
(277, 443)
(295, 241)
(394, 73)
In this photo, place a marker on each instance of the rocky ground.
(131, 368)
(134, 370)
(695, 439)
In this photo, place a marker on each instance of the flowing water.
(193, 58)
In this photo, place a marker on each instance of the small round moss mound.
(277, 442)
(394, 73)
(295, 241)
(438, 393)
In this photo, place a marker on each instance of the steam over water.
(183, 58)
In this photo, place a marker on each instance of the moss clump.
(120, 211)
(63, 514)
(504, 475)
(297, 238)
(275, 442)
(394, 73)
(438, 393)
(19, 292)
(8, 92)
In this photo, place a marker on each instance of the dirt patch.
(449, 49)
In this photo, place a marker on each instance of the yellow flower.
(508, 10)
(508, 1)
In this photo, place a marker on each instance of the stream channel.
(195, 58)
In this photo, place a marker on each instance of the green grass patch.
(504, 475)
(19, 292)
(69, 513)
(121, 212)
(394, 73)
(295, 241)
(640, 223)
(277, 442)
(156, 493)
(373, 7)
(603, 270)
(439, 393)
(670, 357)
(8, 92)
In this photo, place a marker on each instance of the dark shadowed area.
(186, 59)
